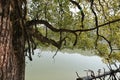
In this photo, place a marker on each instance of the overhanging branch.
(47, 24)
(81, 10)
(58, 44)
(43, 39)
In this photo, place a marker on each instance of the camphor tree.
(82, 24)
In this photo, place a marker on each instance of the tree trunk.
(12, 59)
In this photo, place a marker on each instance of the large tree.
(81, 24)
(12, 39)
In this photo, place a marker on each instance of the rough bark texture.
(12, 59)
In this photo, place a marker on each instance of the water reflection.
(63, 67)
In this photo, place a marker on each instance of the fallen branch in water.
(111, 73)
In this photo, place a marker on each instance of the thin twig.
(55, 53)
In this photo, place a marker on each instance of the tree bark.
(12, 59)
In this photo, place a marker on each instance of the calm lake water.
(63, 67)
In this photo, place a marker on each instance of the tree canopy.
(74, 24)
(25, 25)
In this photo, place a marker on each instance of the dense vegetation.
(81, 24)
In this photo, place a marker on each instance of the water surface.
(63, 67)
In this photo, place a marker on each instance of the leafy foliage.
(82, 24)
